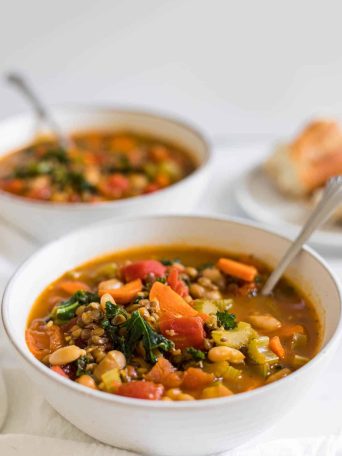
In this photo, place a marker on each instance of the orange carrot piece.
(237, 269)
(289, 330)
(195, 379)
(71, 286)
(276, 347)
(124, 294)
(170, 301)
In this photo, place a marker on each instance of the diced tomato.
(152, 187)
(42, 339)
(140, 269)
(176, 283)
(141, 390)
(184, 331)
(59, 371)
(13, 185)
(41, 193)
(196, 379)
(71, 286)
(118, 181)
(163, 372)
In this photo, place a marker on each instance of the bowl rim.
(66, 108)
(166, 405)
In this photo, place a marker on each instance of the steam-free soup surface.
(102, 166)
(172, 323)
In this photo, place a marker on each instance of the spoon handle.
(39, 108)
(331, 198)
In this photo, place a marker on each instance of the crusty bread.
(309, 161)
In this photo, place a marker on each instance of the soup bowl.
(171, 428)
(45, 221)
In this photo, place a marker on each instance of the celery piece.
(108, 271)
(259, 352)
(298, 341)
(211, 306)
(234, 338)
(171, 169)
(299, 360)
(111, 379)
(263, 370)
(232, 373)
(151, 169)
(218, 369)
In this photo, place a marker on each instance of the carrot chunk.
(237, 269)
(196, 379)
(289, 330)
(276, 346)
(170, 301)
(124, 294)
(72, 286)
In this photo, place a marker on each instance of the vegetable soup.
(102, 166)
(172, 323)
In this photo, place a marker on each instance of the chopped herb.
(197, 355)
(66, 310)
(226, 319)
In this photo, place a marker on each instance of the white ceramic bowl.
(45, 221)
(163, 428)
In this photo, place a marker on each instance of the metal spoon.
(331, 198)
(40, 109)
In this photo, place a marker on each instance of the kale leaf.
(226, 319)
(66, 310)
(197, 355)
(139, 330)
(81, 365)
(127, 335)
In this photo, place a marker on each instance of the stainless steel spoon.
(331, 198)
(40, 109)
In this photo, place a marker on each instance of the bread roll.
(309, 161)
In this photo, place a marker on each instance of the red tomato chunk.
(141, 390)
(184, 331)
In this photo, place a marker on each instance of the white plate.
(262, 201)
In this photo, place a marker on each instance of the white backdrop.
(234, 67)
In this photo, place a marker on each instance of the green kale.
(112, 330)
(58, 154)
(149, 284)
(226, 319)
(79, 182)
(112, 310)
(197, 355)
(139, 330)
(66, 310)
(81, 365)
(32, 169)
(167, 262)
(126, 336)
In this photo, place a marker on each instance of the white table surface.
(320, 411)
